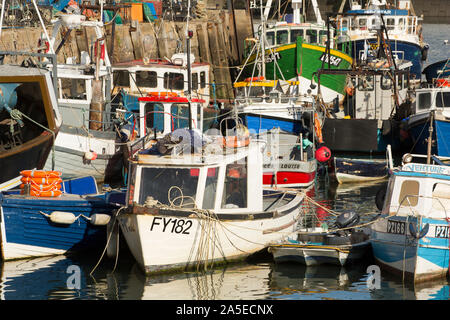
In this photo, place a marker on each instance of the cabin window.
(443, 100)
(270, 36)
(344, 25)
(164, 185)
(424, 101)
(410, 25)
(154, 116)
(73, 88)
(195, 81)
(363, 24)
(180, 116)
(390, 24)
(366, 83)
(174, 81)
(312, 36)
(374, 23)
(352, 24)
(209, 195)
(202, 79)
(399, 81)
(409, 193)
(235, 188)
(295, 33)
(323, 37)
(386, 82)
(121, 78)
(405, 81)
(282, 37)
(401, 23)
(147, 79)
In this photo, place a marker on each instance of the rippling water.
(259, 278)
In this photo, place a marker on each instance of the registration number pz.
(441, 232)
(396, 227)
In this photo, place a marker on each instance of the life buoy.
(40, 173)
(236, 141)
(43, 180)
(252, 79)
(318, 128)
(43, 187)
(53, 193)
(163, 94)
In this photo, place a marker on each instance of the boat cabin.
(224, 182)
(373, 97)
(160, 115)
(432, 98)
(142, 77)
(419, 188)
(258, 90)
(286, 33)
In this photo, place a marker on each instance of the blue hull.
(27, 232)
(395, 247)
(431, 71)
(358, 170)
(441, 134)
(405, 50)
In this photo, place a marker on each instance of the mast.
(262, 38)
(188, 49)
(430, 137)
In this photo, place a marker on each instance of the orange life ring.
(236, 141)
(53, 193)
(251, 79)
(40, 173)
(163, 94)
(318, 128)
(43, 180)
(43, 187)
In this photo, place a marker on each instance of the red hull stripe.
(284, 177)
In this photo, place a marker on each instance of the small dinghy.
(315, 246)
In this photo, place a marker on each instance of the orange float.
(40, 173)
(162, 94)
(42, 183)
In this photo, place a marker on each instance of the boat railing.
(409, 157)
(411, 206)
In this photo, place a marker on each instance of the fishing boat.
(357, 29)
(410, 238)
(286, 125)
(198, 201)
(29, 120)
(54, 217)
(88, 142)
(318, 245)
(354, 170)
(430, 107)
(294, 51)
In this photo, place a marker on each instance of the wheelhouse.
(224, 183)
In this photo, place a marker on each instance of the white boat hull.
(164, 243)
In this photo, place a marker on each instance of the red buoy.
(323, 154)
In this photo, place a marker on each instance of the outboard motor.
(346, 220)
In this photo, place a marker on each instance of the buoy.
(37, 181)
(52, 193)
(100, 219)
(62, 217)
(90, 155)
(323, 154)
(40, 173)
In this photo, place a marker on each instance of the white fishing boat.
(411, 238)
(88, 143)
(186, 210)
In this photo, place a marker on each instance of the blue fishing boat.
(440, 69)
(357, 170)
(431, 106)
(33, 226)
(357, 29)
(411, 236)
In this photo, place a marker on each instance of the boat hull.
(311, 255)
(398, 251)
(346, 170)
(27, 232)
(300, 65)
(164, 243)
(418, 130)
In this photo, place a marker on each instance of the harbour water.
(87, 278)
